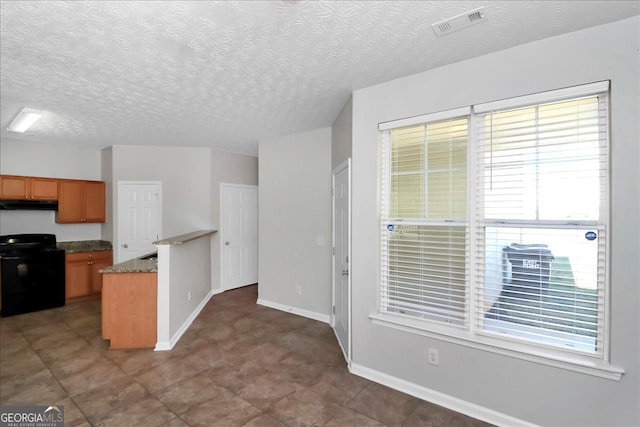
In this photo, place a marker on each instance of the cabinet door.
(70, 201)
(129, 309)
(100, 260)
(77, 276)
(43, 188)
(94, 201)
(14, 187)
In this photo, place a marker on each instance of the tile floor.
(239, 364)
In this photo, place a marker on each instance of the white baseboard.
(168, 345)
(444, 400)
(162, 346)
(325, 318)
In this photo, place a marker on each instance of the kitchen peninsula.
(129, 303)
(151, 302)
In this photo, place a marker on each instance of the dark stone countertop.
(85, 246)
(133, 266)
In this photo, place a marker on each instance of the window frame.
(398, 290)
(471, 334)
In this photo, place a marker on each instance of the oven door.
(32, 282)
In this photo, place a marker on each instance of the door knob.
(126, 245)
(345, 272)
(226, 243)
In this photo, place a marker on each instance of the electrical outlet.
(189, 296)
(433, 357)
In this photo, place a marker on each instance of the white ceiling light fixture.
(23, 121)
(458, 22)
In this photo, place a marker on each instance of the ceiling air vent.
(458, 22)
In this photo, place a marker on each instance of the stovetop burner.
(26, 242)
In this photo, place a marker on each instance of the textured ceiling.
(226, 74)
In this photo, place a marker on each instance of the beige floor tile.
(264, 420)
(240, 364)
(97, 374)
(430, 415)
(99, 402)
(384, 404)
(348, 417)
(226, 409)
(186, 394)
(267, 389)
(145, 412)
(164, 374)
(304, 408)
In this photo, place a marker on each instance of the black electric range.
(32, 273)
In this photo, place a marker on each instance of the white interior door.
(342, 251)
(238, 235)
(139, 218)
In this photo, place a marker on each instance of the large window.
(494, 220)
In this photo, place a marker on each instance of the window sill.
(575, 363)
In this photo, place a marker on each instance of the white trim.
(432, 117)
(540, 355)
(344, 165)
(346, 356)
(445, 400)
(163, 346)
(324, 318)
(543, 97)
(168, 345)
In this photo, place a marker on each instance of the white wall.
(185, 175)
(539, 394)
(54, 161)
(229, 168)
(295, 223)
(184, 287)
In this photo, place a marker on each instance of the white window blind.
(541, 222)
(512, 244)
(424, 220)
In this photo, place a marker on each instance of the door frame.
(117, 228)
(344, 165)
(223, 285)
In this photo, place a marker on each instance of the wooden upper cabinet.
(94, 201)
(28, 187)
(14, 187)
(81, 201)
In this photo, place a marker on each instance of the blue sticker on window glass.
(390, 227)
(590, 235)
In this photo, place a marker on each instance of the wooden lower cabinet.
(82, 277)
(129, 309)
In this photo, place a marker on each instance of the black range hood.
(33, 205)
